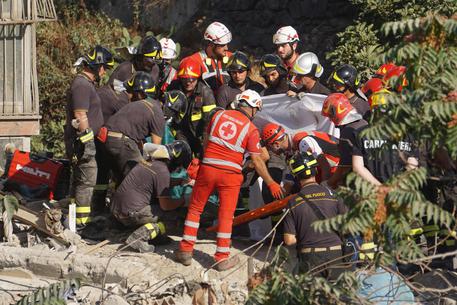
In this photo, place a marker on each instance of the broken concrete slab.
(54, 264)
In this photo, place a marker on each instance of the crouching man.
(313, 202)
(147, 182)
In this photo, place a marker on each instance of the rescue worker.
(84, 118)
(345, 80)
(372, 86)
(214, 57)
(398, 73)
(307, 70)
(137, 120)
(323, 146)
(230, 135)
(313, 202)
(200, 100)
(275, 75)
(376, 160)
(137, 200)
(174, 109)
(238, 67)
(286, 42)
(342, 113)
(383, 70)
(147, 58)
(112, 100)
(168, 73)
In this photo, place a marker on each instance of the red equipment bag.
(34, 171)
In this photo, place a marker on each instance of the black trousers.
(124, 154)
(328, 264)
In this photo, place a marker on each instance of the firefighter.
(215, 56)
(313, 202)
(275, 75)
(125, 130)
(345, 80)
(323, 146)
(286, 42)
(84, 119)
(230, 135)
(238, 67)
(168, 73)
(112, 99)
(174, 109)
(145, 189)
(341, 112)
(307, 70)
(147, 58)
(383, 70)
(200, 100)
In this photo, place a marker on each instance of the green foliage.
(404, 204)
(360, 43)
(59, 44)
(281, 287)
(55, 294)
(357, 45)
(8, 204)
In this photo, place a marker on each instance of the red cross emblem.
(227, 130)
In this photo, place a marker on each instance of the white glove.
(155, 151)
(309, 144)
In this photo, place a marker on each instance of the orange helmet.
(371, 86)
(336, 107)
(384, 69)
(399, 72)
(189, 68)
(272, 132)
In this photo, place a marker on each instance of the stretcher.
(266, 210)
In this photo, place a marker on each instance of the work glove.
(85, 145)
(192, 169)
(276, 190)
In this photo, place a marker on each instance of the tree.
(427, 109)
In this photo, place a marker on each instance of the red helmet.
(399, 72)
(371, 86)
(336, 107)
(189, 68)
(272, 132)
(384, 69)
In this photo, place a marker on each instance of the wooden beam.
(19, 128)
(36, 220)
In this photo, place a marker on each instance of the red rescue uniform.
(328, 144)
(230, 134)
(214, 72)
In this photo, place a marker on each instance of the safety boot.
(139, 239)
(183, 257)
(227, 264)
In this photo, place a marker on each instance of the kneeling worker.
(147, 182)
(313, 202)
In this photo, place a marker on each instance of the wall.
(252, 22)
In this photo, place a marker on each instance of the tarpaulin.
(300, 113)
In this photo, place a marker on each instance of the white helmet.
(308, 64)
(168, 48)
(250, 97)
(218, 33)
(285, 34)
